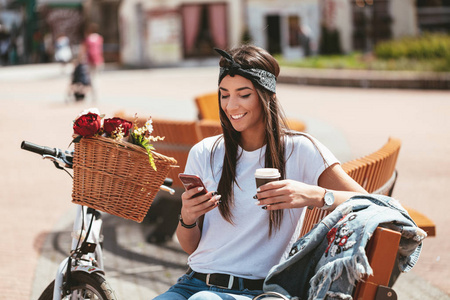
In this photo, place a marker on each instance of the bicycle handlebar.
(60, 158)
(42, 150)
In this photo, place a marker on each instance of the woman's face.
(240, 102)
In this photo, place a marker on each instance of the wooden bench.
(208, 128)
(377, 174)
(179, 137)
(208, 106)
(208, 109)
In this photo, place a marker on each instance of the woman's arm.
(340, 183)
(191, 211)
(293, 194)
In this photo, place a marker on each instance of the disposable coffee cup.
(265, 175)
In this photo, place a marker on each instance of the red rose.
(109, 125)
(87, 125)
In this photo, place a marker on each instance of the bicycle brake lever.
(57, 165)
(167, 189)
(56, 161)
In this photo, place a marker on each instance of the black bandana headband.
(262, 77)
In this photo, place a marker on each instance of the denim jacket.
(327, 261)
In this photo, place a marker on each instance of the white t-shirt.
(244, 248)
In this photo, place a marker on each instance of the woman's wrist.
(188, 225)
(317, 197)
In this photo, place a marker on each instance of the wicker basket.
(116, 177)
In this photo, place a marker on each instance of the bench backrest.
(209, 128)
(371, 172)
(179, 137)
(208, 106)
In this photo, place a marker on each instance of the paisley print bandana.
(262, 77)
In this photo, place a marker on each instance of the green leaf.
(151, 160)
(144, 143)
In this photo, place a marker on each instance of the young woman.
(233, 240)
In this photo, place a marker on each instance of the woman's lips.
(237, 117)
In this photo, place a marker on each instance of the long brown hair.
(249, 56)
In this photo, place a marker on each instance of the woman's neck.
(252, 141)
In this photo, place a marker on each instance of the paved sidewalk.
(35, 199)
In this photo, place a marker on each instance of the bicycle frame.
(86, 262)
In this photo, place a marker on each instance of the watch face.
(329, 199)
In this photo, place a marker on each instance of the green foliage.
(429, 52)
(140, 140)
(351, 61)
(359, 61)
(427, 46)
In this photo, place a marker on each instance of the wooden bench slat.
(422, 221)
(381, 252)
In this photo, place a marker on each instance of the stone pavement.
(36, 210)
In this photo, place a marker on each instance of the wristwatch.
(328, 199)
(188, 226)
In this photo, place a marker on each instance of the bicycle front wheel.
(84, 286)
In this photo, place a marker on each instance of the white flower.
(118, 134)
(154, 138)
(139, 131)
(149, 126)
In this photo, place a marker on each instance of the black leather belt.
(230, 282)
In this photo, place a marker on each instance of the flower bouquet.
(116, 169)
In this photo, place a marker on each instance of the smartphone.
(192, 181)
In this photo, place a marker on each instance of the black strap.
(188, 226)
(223, 280)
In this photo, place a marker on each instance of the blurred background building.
(146, 33)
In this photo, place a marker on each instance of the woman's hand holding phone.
(196, 199)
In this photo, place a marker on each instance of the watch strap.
(188, 226)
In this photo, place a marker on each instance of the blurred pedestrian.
(93, 52)
(63, 51)
(305, 39)
(5, 43)
(48, 47)
(80, 83)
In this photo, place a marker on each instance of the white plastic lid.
(267, 173)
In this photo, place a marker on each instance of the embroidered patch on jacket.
(338, 237)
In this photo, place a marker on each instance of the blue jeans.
(188, 287)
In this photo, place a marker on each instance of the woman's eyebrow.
(239, 89)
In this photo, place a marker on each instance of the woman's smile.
(237, 117)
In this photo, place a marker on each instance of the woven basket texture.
(116, 177)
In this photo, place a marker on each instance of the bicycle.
(81, 274)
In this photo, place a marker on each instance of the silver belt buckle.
(230, 282)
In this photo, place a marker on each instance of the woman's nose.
(232, 103)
